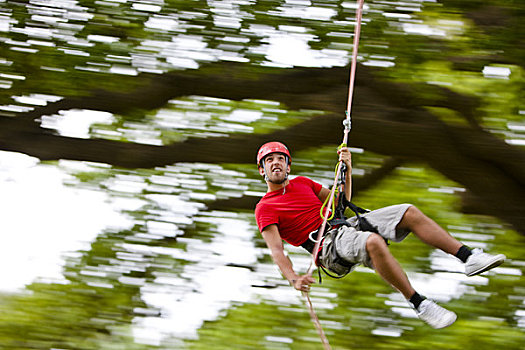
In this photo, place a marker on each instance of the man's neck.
(274, 187)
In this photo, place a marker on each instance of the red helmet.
(271, 147)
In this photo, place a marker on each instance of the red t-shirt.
(295, 210)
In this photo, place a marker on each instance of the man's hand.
(345, 156)
(303, 282)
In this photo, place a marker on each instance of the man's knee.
(412, 216)
(375, 244)
(413, 212)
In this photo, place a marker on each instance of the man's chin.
(277, 180)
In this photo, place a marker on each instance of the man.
(290, 211)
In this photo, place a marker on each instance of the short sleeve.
(265, 216)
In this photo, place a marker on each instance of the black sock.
(416, 299)
(463, 253)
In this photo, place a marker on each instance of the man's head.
(273, 160)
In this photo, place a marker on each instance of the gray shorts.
(350, 243)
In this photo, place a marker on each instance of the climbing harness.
(330, 202)
(336, 266)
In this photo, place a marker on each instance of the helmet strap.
(264, 168)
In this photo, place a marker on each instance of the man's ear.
(261, 171)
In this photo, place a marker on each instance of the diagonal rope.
(316, 322)
(348, 125)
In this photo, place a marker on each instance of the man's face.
(276, 167)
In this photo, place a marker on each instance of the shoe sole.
(497, 261)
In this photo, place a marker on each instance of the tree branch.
(389, 119)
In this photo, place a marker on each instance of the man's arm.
(275, 243)
(346, 157)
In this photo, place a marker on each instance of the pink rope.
(357, 34)
(315, 251)
(316, 322)
(345, 138)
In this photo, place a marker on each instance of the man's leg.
(389, 269)
(387, 266)
(428, 231)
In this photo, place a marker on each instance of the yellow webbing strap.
(336, 192)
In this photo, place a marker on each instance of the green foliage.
(76, 48)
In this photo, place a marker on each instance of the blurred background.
(128, 134)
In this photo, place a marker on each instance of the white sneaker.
(480, 262)
(434, 315)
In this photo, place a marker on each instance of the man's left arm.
(346, 157)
